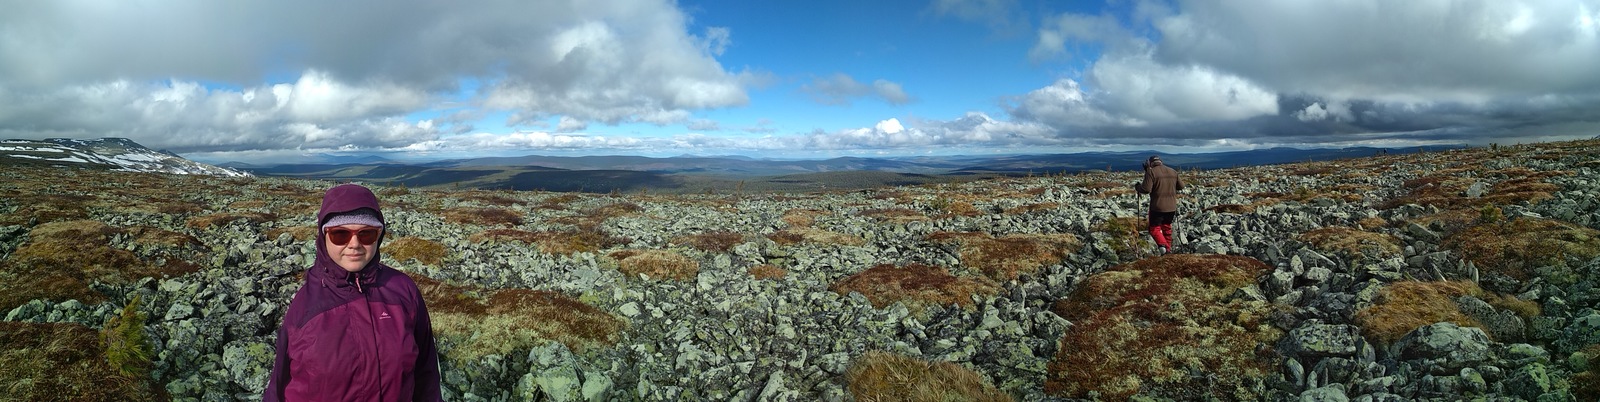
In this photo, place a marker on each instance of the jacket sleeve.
(427, 368)
(279, 378)
(1144, 186)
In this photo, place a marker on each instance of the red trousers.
(1161, 228)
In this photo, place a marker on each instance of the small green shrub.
(128, 348)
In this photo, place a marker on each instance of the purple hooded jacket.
(354, 336)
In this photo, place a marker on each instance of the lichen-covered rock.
(1445, 344)
(248, 362)
(1314, 340)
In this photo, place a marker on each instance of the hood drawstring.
(355, 279)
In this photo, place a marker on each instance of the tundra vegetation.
(1305, 280)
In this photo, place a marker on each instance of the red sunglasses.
(341, 236)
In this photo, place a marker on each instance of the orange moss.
(480, 321)
(1031, 208)
(1164, 327)
(62, 258)
(715, 241)
(1514, 248)
(483, 216)
(427, 252)
(657, 264)
(221, 219)
(1355, 244)
(1008, 257)
(767, 271)
(1404, 306)
(801, 217)
(299, 233)
(883, 376)
(916, 285)
(799, 234)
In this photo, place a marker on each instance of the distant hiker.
(357, 330)
(1162, 183)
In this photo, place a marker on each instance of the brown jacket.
(1162, 183)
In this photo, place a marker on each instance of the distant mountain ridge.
(119, 154)
(683, 174)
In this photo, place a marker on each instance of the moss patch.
(657, 264)
(1165, 327)
(478, 322)
(53, 361)
(1006, 258)
(916, 285)
(1353, 243)
(421, 250)
(62, 258)
(1514, 248)
(1403, 306)
(882, 376)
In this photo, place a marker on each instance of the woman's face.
(360, 245)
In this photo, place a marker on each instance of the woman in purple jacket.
(357, 330)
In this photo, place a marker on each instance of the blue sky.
(264, 81)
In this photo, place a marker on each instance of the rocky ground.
(1436, 276)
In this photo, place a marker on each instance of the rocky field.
(1452, 275)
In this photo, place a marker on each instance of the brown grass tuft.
(489, 198)
(715, 241)
(478, 322)
(916, 285)
(1031, 208)
(1516, 247)
(1403, 306)
(224, 218)
(164, 238)
(801, 217)
(1232, 209)
(57, 361)
(62, 258)
(894, 214)
(299, 233)
(36, 209)
(1586, 385)
(1355, 244)
(657, 264)
(883, 376)
(799, 234)
(427, 252)
(1164, 327)
(1006, 258)
(483, 216)
(767, 271)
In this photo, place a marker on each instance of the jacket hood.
(340, 199)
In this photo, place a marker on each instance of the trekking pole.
(1138, 239)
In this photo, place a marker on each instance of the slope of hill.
(118, 154)
(1454, 275)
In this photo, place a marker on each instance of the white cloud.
(891, 126)
(1403, 52)
(568, 124)
(609, 61)
(1336, 111)
(315, 111)
(841, 89)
